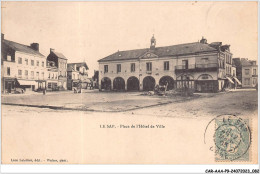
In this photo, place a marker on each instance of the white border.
(12, 168)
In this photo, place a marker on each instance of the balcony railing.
(196, 67)
(184, 67)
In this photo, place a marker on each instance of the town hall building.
(201, 66)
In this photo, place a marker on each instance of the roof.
(21, 48)
(236, 62)
(246, 62)
(174, 50)
(70, 66)
(59, 55)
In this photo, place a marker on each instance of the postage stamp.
(232, 138)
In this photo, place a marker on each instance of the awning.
(230, 80)
(238, 81)
(40, 81)
(26, 82)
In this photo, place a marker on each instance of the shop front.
(9, 85)
(26, 85)
(205, 83)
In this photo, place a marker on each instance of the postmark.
(231, 137)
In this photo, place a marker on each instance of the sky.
(89, 31)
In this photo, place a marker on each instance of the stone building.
(249, 73)
(77, 73)
(60, 61)
(23, 67)
(199, 65)
(246, 71)
(52, 79)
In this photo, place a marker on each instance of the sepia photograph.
(129, 82)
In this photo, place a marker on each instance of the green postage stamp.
(232, 138)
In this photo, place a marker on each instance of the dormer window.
(119, 55)
(9, 58)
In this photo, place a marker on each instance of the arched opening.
(205, 83)
(132, 84)
(119, 84)
(148, 83)
(185, 81)
(106, 83)
(167, 80)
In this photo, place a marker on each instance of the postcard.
(129, 82)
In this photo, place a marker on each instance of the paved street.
(46, 133)
(128, 101)
(92, 101)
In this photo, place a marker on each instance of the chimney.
(2, 36)
(51, 50)
(203, 40)
(35, 46)
(253, 62)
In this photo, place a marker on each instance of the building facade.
(200, 66)
(59, 61)
(249, 74)
(52, 79)
(246, 71)
(23, 67)
(77, 73)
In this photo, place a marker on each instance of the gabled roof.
(174, 50)
(59, 55)
(70, 66)
(21, 48)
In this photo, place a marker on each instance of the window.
(26, 73)
(185, 64)
(118, 68)
(247, 81)
(9, 58)
(37, 63)
(204, 60)
(19, 73)
(105, 68)
(32, 74)
(20, 60)
(26, 61)
(42, 63)
(254, 81)
(32, 62)
(254, 71)
(149, 66)
(49, 75)
(166, 65)
(246, 71)
(226, 70)
(132, 67)
(37, 75)
(8, 71)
